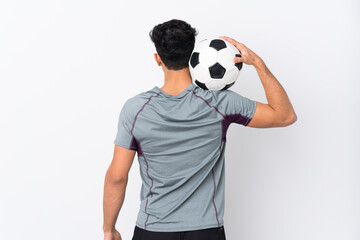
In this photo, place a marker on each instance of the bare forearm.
(275, 93)
(114, 194)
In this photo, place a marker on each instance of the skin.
(277, 113)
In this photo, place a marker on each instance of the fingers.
(227, 38)
(237, 59)
(230, 40)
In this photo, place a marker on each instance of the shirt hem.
(179, 229)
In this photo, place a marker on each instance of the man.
(179, 133)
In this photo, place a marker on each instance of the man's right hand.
(247, 56)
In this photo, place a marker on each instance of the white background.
(67, 67)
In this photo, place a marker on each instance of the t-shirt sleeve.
(238, 109)
(124, 137)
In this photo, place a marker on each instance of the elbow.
(113, 178)
(287, 119)
(291, 119)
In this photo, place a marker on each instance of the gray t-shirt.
(180, 142)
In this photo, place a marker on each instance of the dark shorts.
(216, 233)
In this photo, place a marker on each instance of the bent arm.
(279, 111)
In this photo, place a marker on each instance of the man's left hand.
(113, 235)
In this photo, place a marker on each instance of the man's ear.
(157, 59)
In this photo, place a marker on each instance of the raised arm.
(278, 112)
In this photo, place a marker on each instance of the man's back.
(180, 141)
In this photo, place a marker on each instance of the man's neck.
(176, 81)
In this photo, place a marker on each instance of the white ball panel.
(208, 56)
(231, 75)
(202, 73)
(192, 71)
(202, 45)
(215, 84)
(225, 58)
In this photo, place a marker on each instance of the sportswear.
(180, 142)
(215, 233)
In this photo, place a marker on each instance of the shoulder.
(134, 104)
(216, 96)
(208, 95)
(225, 94)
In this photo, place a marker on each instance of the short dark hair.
(174, 42)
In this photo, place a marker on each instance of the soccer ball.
(211, 64)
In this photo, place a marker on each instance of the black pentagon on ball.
(227, 86)
(218, 44)
(217, 71)
(201, 85)
(194, 60)
(239, 64)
